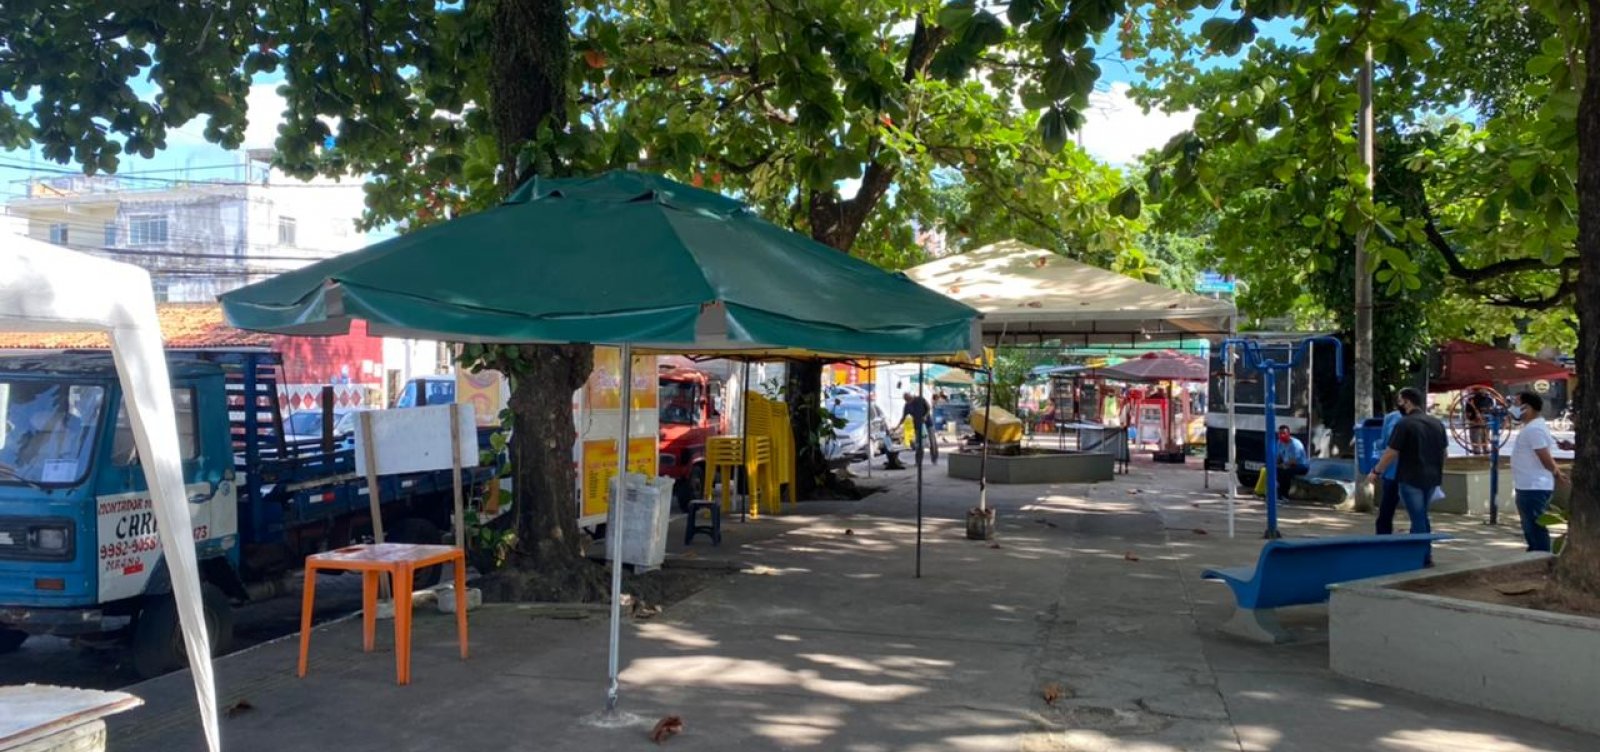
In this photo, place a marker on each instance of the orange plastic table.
(400, 560)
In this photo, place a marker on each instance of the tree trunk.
(1579, 566)
(542, 439)
(805, 396)
(530, 54)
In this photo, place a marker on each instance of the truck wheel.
(690, 487)
(11, 639)
(419, 530)
(158, 635)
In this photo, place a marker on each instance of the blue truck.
(79, 553)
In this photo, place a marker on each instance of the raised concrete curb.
(1045, 467)
(1536, 664)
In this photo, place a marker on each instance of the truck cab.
(79, 553)
(690, 413)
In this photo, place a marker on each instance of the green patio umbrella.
(622, 257)
(626, 259)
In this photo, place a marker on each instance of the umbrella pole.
(744, 441)
(915, 431)
(614, 534)
(1229, 371)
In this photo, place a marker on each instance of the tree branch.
(1470, 275)
(1561, 296)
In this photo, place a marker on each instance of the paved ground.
(830, 642)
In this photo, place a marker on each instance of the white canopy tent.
(1031, 295)
(46, 288)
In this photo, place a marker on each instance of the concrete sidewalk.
(831, 643)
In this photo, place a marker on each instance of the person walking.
(916, 408)
(1419, 445)
(1534, 473)
(1293, 461)
(1389, 497)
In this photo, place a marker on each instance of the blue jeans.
(1531, 504)
(1416, 501)
(1387, 506)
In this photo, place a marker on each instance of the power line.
(65, 172)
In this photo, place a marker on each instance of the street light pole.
(1363, 292)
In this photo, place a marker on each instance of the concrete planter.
(1041, 466)
(1537, 664)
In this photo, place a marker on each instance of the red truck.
(691, 411)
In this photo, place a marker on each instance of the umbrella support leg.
(614, 533)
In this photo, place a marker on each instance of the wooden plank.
(455, 476)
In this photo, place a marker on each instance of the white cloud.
(264, 108)
(1117, 130)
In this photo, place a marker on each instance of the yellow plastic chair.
(759, 425)
(783, 454)
(725, 455)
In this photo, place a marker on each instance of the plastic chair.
(725, 455)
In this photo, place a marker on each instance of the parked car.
(305, 427)
(850, 440)
(438, 389)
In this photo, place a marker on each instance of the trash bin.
(646, 509)
(1368, 434)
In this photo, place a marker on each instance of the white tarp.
(1030, 294)
(46, 288)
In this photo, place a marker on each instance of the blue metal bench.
(1294, 572)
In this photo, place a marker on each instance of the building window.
(286, 231)
(58, 233)
(111, 234)
(162, 290)
(147, 229)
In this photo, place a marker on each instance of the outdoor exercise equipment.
(1270, 367)
(1476, 418)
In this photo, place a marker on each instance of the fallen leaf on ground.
(666, 727)
(1200, 531)
(646, 611)
(1517, 588)
(1131, 556)
(1049, 523)
(848, 531)
(1052, 692)
(994, 545)
(238, 708)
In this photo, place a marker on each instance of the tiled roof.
(185, 326)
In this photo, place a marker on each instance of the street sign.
(1212, 282)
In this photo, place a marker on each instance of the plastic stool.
(691, 526)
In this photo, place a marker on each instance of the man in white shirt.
(1534, 474)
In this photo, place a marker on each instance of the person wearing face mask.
(1419, 444)
(1534, 473)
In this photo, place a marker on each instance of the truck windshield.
(680, 401)
(47, 430)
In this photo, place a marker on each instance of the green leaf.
(1126, 204)
(1020, 12)
(956, 15)
(1053, 129)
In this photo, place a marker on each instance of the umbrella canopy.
(1158, 367)
(1463, 364)
(1031, 294)
(623, 257)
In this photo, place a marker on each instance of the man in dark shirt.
(1419, 445)
(916, 408)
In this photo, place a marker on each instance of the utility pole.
(1363, 334)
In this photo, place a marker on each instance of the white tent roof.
(1029, 294)
(46, 288)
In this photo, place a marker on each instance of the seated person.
(1292, 461)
